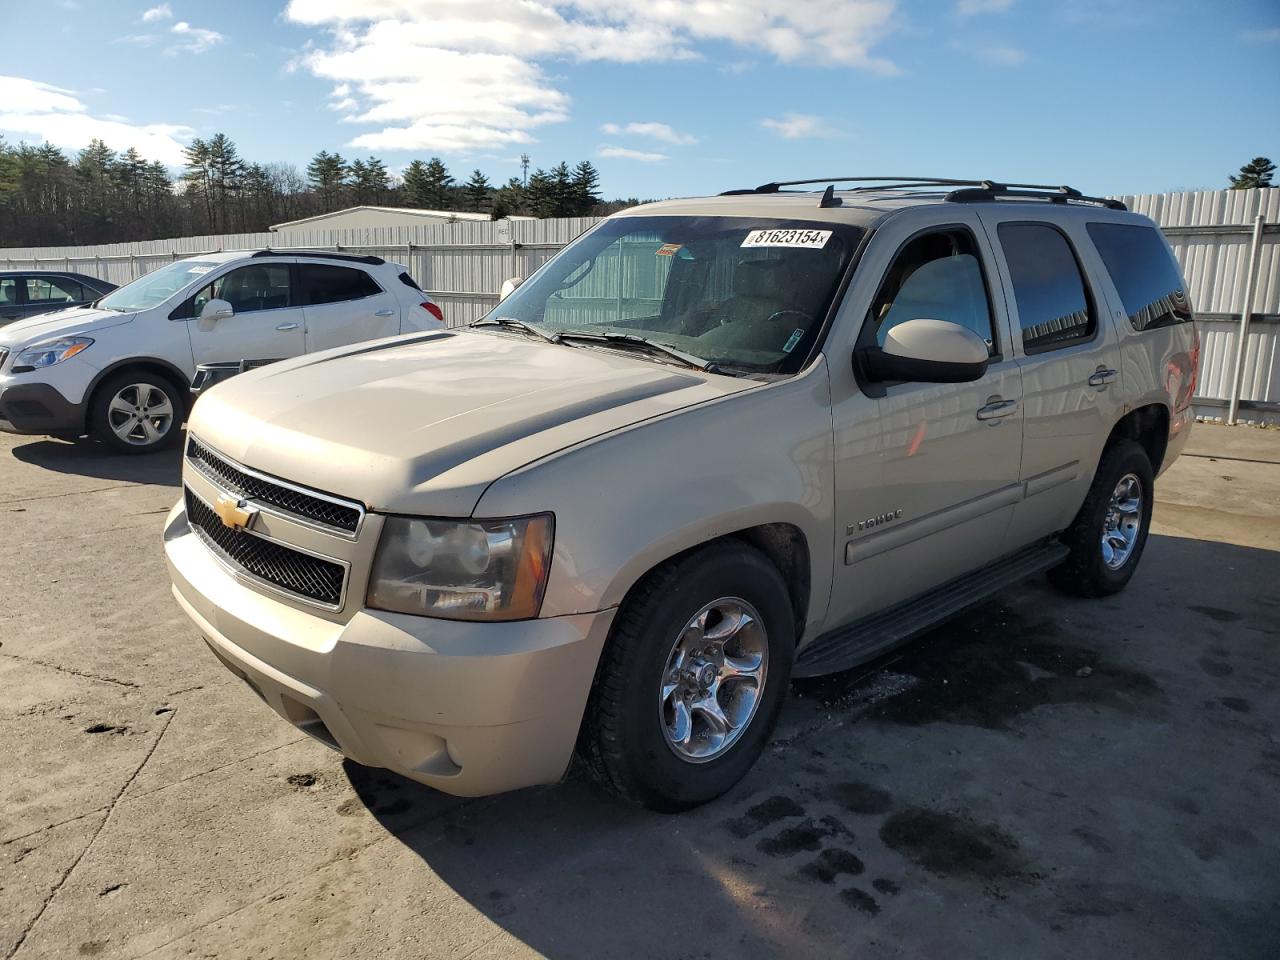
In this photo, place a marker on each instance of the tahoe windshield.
(156, 287)
(738, 292)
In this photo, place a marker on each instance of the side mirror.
(509, 287)
(926, 351)
(212, 312)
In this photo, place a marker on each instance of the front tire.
(1109, 533)
(137, 412)
(692, 679)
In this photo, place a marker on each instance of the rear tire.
(703, 641)
(137, 412)
(1109, 533)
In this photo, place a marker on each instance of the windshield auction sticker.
(810, 239)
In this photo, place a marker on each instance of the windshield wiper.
(629, 341)
(520, 325)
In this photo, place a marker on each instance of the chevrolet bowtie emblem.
(234, 513)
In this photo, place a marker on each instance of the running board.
(871, 636)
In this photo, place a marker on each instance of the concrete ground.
(1044, 777)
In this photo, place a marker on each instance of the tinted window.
(260, 286)
(1144, 274)
(8, 290)
(1053, 306)
(936, 277)
(326, 284)
(55, 290)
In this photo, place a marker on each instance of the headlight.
(48, 353)
(463, 570)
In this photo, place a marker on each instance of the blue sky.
(666, 97)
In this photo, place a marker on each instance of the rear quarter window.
(1144, 274)
(323, 283)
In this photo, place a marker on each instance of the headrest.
(757, 278)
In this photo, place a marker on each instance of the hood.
(60, 323)
(423, 425)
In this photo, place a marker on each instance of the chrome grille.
(315, 507)
(313, 578)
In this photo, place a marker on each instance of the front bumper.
(38, 408)
(468, 708)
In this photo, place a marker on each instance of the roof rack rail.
(971, 191)
(320, 254)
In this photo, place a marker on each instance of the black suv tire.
(623, 742)
(103, 420)
(1087, 572)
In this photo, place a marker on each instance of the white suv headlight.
(48, 353)
(463, 570)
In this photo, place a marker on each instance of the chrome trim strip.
(240, 572)
(1054, 477)
(220, 483)
(894, 536)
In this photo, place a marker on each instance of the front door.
(345, 305)
(1069, 355)
(267, 323)
(926, 473)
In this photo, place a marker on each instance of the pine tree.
(326, 172)
(1256, 173)
(539, 194)
(197, 178)
(477, 191)
(437, 182)
(585, 189)
(561, 190)
(415, 183)
(508, 200)
(226, 171)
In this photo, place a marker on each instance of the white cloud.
(160, 12)
(54, 115)
(969, 8)
(193, 39)
(796, 126)
(426, 69)
(624, 153)
(1001, 56)
(1263, 35)
(652, 130)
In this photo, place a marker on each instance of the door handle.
(1101, 377)
(384, 313)
(997, 408)
(286, 326)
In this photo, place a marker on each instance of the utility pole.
(524, 169)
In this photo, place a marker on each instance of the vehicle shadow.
(88, 458)
(774, 868)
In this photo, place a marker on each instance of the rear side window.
(8, 290)
(1144, 274)
(408, 281)
(55, 290)
(1054, 309)
(322, 283)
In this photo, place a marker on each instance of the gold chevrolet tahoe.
(713, 444)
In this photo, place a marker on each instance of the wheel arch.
(152, 365)
(1148, 426)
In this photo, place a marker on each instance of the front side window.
(736, 291)
(1054, 309)
(937, 276)
(54, 290)
(259, 286)
(323, 283)
(157, 286)
(1144, 273)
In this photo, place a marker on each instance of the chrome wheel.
(1123, 522)
(140, 414)
(713, 679)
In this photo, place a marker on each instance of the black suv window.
(55, 290)
(322, 283)
(259, 286)
(1144, 274)
(1054, 309)
(937, 276)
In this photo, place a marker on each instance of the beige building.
(355, 218)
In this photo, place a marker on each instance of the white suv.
(121, 368)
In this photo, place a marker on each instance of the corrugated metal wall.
(462, 265)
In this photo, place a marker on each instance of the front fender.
(629, 500)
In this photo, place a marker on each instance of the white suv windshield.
(734, 291)
(156, 287)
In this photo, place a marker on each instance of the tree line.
(98, 195)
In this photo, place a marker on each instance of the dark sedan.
(25, 293)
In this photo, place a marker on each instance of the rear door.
(344, 304)
(12, 290)
(1067, 349)
(267, 323)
